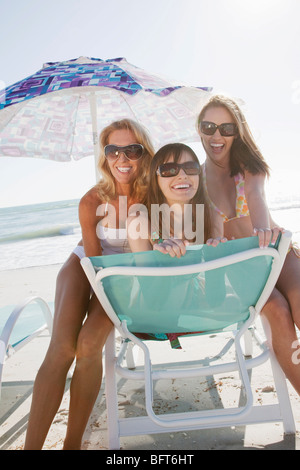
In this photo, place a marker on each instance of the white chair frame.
(153, 423)
(6, 349)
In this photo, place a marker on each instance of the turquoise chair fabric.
(204, 301)
(208, 297)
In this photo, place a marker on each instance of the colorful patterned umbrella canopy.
(58, 112)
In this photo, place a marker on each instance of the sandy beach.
(21, 368)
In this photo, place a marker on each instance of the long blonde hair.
(244, 154)
(106, 186)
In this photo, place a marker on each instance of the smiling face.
(123, 170)
(181, 188)
(216, 146)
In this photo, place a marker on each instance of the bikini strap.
(210, 202)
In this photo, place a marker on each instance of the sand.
(21, 368)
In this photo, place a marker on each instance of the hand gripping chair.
(207, 290)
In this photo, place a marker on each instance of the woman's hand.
(216, 241)
(267, 235)
(172, 247)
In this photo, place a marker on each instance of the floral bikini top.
(241, 207)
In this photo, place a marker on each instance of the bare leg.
(281, 334)
(71, 304)
(87, 376)
(289, 285)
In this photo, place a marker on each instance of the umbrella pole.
(93, 108)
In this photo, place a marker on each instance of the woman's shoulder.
(90, 200)
(253, 177)
(91, 196)
(254, 182)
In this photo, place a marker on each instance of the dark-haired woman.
(234, 174)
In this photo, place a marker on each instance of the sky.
(248, 49)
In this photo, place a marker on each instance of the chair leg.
(248, 344)
(2, 357)
(283, 396)
(111, 393)
(131, 356)
(281, 385)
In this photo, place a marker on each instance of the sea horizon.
(46, 232)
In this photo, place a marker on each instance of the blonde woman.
(125, 157)
(234, 174)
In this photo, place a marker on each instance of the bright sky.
(246, 48)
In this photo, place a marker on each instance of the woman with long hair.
(177, 212)
(234, 175)
(126, 153)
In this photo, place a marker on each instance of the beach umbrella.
(58, 112)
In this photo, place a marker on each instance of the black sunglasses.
(167, 170)
(228, 129)
(132, 152)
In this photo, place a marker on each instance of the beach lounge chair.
(10, 343)
(209, 290)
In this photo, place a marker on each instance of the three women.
(230, 184)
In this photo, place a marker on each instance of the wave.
(41, 207)
(283, 205)
(53, 231)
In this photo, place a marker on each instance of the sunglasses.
(132, 152)
(166, 170)
(228, 129)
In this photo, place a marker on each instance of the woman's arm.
(88, 221)
(259, 211)
(217, 229)
(138, 232)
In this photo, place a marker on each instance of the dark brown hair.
(244, 153)
(155, 195)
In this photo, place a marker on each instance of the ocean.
(38, 234)
(43, 234)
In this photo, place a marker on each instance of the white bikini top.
(113, 240)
